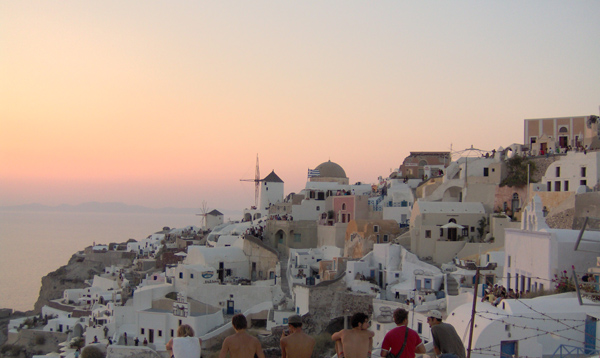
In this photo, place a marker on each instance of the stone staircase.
(452, 288)
(284, 280)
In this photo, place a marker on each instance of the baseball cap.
(435, 314)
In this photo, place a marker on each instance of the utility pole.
(472, 265)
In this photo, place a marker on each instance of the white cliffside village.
(508, 237)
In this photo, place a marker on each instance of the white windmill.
(203, 212)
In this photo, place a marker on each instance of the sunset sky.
(167, 103)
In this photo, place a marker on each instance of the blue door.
(508, 349)
(230, 307)
(418, 284)
(590, 335)
(427, 283)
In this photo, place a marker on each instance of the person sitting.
(185, 345)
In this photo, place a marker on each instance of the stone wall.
(109, 258)
(332, 299)
(541, 165)
(116, 351)
(587, 205)
(29, 339)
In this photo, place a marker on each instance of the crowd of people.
(497, 293)
(355, 342)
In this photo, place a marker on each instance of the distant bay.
(36, 241)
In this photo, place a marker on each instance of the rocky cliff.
(72, 275)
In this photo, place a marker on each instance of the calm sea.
(32, 244)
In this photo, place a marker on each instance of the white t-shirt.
(186, 347)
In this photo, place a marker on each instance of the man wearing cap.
(446, 342)
(296, 343)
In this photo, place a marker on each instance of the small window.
(420, 328)
(378, 239)
(427, 234)
(385, 238)
(556, 186)
(159, 333)
(141, 330)
(181, 275)
(343, 206)
(378, 327)
(318, 208)
(583, 182)
(549, 186)
(191, 275)
(397, 275)
(583, 172)
(180, 322)
(509, 261)
(472, 228)
(172, 333)
(486, 172)
(558, 172)
(566, 185)
(375, 228)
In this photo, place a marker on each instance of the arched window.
(422, 163)
(563, 130)
(343, 206)
(452, 221)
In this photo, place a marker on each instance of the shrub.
(563, 283)
(92, 352)
(40, 340)
(323, 344)
(78, 343)
(517, 171)
(11, 349)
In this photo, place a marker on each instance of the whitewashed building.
(527, 327)
(441, 229)
(536, 255)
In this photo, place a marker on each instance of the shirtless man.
(241, 344)
(296, 343)
(358, 341)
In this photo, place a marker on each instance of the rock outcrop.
(72, 275)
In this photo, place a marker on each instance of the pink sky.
(167, 104)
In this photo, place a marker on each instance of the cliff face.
(72, 275)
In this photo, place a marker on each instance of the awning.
(452, 226)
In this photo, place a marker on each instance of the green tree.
(517, 171)
(483, 224)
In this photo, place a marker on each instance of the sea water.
(32, 244)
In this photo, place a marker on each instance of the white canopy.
(452, 226)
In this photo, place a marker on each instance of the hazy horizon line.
(97, 206)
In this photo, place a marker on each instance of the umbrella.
(452, 226)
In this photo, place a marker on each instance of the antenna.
(256, 181)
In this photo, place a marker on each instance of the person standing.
(356, 342)
(401, 341)
(185, 345)
(446, 342)
(295, 343)
(241, 344)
